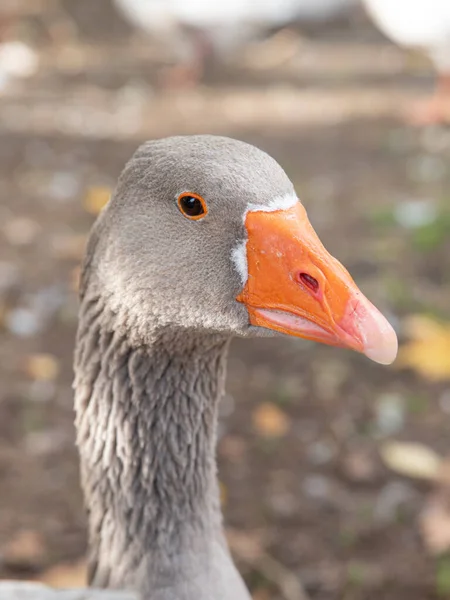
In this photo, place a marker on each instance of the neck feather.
(146, 430)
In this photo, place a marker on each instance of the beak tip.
(382, 356)
(383, 344)
(376, 336)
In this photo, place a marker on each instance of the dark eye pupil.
(192, 206)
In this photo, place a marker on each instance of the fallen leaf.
(42, 367)
(428, 351)
(270, 421)
(422, 327)
(24, 551)
(96, 198)
(434, 523)
(66, 575)
(411, 459)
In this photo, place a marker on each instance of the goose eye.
(192, 206)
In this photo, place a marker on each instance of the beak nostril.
(309, 281)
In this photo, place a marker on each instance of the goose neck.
(146, 430)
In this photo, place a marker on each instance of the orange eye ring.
(192, 206)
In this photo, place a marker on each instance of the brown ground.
(315, 503)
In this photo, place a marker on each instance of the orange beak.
(296, 287)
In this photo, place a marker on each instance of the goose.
(425, 25)
(197, 30)
(203, 239)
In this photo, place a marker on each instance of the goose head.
(206, 232)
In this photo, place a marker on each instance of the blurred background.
(334, 470)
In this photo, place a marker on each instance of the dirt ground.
(306, 493)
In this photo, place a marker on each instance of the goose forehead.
(224, 171)
(281, 202)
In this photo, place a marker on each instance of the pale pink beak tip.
(378, 336)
